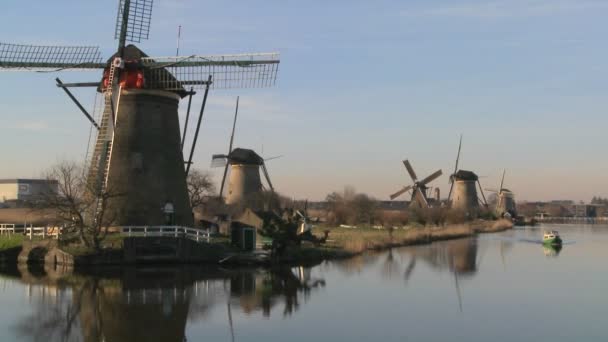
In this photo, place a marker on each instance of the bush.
(456, 216)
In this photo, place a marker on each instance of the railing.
(195, 234)
(7, 229)
(30, 231)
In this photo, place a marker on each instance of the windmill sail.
(133, 20)
(254, 70)
(16, 57)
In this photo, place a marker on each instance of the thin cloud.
(33, 126)
(507, 8)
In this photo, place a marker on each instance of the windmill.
(419, 188)
(505, 203)
(463, 188)
(244, 166)
(138, 149)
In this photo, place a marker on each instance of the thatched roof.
(245, 156)
(465, 175)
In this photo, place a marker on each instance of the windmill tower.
(138, 150)
(419, 188)
(463, 190)
(505, 199)
(244, 180)
(244, 166)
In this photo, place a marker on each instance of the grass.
(358, 240)
(10, 241)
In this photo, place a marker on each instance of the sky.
(362, 85)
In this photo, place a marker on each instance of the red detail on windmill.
(130, 79)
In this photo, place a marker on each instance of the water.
(497, 287)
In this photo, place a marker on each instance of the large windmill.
(419, 188)
(138, 150)
(463, 188)
(244, 166)
(505, 199)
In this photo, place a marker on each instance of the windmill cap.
(153, 78)
(245, 156)
(465, 175)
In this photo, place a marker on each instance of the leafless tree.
(77, 205)
(200, 187)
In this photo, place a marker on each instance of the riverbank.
(350, 242)
(342, 243)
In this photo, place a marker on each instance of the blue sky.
(362, 85)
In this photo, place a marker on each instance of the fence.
(195, 234)
(30, 231)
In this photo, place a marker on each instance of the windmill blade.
(272, 158)
(431, 177)
(450, 193)
(236, 114)
(400, 192)
(15, 57)
(219, 160)
(410, 170)
(492, 190)
(267, 176)
(133, 21)
(502, 181)
(253, 70)
(420, 198)
(457, 156)
(485, 202)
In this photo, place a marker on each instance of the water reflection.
(458, 256)
(150, 304)
(552, 250)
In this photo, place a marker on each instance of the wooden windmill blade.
(400, 192)
(451, 179)
(252, 70)
(267, 176)
(410, 170)
(431, 178)
(18, 57)
(133, 21)
(419, 196)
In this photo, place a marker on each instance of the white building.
(25, 189)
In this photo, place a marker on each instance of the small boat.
(552, 238)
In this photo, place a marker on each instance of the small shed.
(243, 236)
(249, 219)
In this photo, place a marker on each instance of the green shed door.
(248, 239)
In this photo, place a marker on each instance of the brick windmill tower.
(138, 150)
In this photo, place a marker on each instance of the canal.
(495, 287)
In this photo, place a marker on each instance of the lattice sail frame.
(258, 70)
(138, 22)
(42, 57)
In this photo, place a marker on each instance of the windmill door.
(248, 242)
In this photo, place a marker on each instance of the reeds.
(358, 240)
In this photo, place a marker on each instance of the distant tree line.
(599, 200)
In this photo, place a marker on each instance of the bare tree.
(200, 187)
(78, 206)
